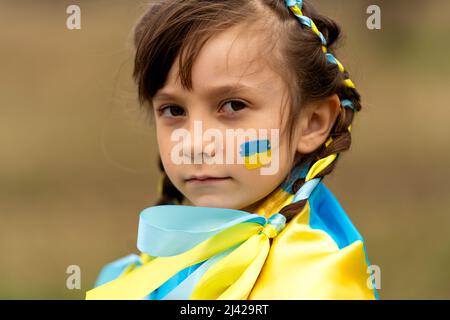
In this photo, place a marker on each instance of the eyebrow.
(214, 91)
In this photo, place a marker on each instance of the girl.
(234, 231)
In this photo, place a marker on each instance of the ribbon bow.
(231, 245)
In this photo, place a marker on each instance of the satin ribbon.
(234, 245)
(222, 250)
(296, 7)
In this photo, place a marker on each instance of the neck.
(253, 208)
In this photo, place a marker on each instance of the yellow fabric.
(305, 263)
(349, 83)
(301, 263)
(274, 203)
(137, 284)
(319, 166)
(242, 267)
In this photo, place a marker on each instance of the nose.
(200, 147)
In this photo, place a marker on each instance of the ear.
(316, 120)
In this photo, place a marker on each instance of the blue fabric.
(168, 230)
(346, 103)
(170, 284)
(183, 289)
(171, 229)
(305, 191)
(327, 214)
(296, 173)
(114, 269)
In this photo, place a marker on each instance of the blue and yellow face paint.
(256, 153)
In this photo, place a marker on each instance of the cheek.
(272, 150)
(255, 157)
(165, 146)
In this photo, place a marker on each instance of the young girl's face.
(225, 61)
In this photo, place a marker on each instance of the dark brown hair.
(171, 28)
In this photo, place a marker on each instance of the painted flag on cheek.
(256, 153)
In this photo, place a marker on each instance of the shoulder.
(327, 214)
(319, 255)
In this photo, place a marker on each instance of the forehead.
(231, 57)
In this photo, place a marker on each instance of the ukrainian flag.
(256, 153)
(185, 254)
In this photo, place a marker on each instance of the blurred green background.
(78, 154)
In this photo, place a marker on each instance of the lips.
(204, 179)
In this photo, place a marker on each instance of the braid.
(340, 134)
(168, 193)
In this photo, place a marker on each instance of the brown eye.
(171, 111)
(233, 106)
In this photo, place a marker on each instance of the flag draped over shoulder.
(192, 252)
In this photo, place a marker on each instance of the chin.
(213, 202)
